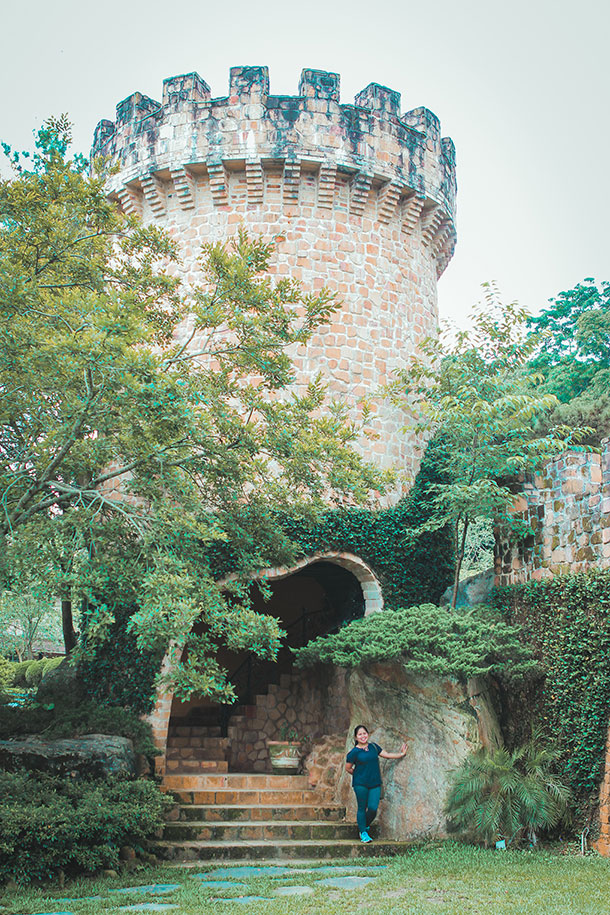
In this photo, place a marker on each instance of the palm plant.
(507, 794)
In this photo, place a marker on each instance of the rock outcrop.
(443, 719)
(93, 756)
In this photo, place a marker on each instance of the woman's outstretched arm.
(403, 752)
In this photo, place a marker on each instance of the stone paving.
(347, 877)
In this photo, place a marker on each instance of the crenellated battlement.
(360, 157)
(359, 198)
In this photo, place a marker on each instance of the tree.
(148, 423)
(475, 389)
(27, 617)
(574, 358)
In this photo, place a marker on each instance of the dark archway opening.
(315, 600)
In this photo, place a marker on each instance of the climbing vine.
(566, 620)
(411, 571)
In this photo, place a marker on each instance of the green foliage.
(474, 387)
(19, 673)
(507, 795)
(402, 565)
(70, 718)
(574, 358)
(48, 824)
(27, 615)
(566, 621)
(426, 639)
(7, 673)
(51, 664)
(34, 672)
(128, 451)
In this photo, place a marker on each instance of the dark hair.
(357, 728)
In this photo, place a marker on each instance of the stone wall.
(359, 198)
(312, 702)
(568, 509)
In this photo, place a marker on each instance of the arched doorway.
(312, 598)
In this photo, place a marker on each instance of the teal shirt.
(366, 766)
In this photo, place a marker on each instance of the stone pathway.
(347, 877)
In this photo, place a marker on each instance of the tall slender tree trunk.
(460, 542)
(67, 624)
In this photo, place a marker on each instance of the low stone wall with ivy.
(566, 621)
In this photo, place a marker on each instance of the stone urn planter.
(285, 756)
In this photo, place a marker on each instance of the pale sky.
(522, 88)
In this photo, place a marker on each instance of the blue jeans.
(368, 802)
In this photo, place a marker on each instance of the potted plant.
(285, 753)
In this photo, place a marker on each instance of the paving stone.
(156, 889)
(293, 891)
(246, 872)
(343, 869)
(148, 907)
(349, 882)
(219, 883)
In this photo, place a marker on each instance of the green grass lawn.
(446, 879)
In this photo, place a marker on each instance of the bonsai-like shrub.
(427, 639)
(506, 794)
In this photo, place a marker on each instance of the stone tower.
(360, 198)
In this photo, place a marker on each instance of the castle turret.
(360, 198)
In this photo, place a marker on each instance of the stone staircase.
(193, 749)
(258, 817)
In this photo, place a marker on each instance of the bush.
(51, 664)
(507, 795)
(466, 642)
(33, 674)
(48, 824)
(7, 673)
(20, 672)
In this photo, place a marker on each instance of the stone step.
(284, 849)
(212, 813)
(193, 730)
(196, 753)
(242, 797)
(192, 768)
(198, 742)
(233, 833)
(233, 781)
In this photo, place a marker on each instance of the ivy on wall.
(411, 572)
(116, 672)
(566, 620)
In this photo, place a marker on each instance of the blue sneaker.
(365, 837)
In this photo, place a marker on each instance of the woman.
(362, 763)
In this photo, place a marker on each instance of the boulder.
(93, 755)
(58, 683)
(444, 719)
(472, 591)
